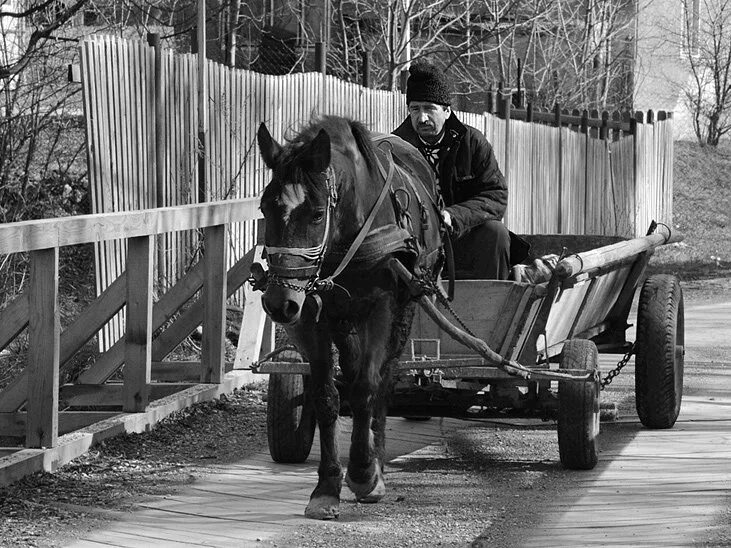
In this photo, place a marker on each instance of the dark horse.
(342, 204)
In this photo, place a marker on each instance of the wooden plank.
(15, 424)
(138, 336)
(13, 319)
(180, 371)
(98, 313)
(252, 325)
(43, 349)
(81, 229)
(609, 255)
(509, 314)
(214, 304)
(111, 394)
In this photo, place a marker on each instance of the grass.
(701, 201)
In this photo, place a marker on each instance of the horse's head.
(298, 207)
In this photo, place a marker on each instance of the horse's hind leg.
(365, 467)
(325, 499)
(400, 331)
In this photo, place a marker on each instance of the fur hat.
(428, 83)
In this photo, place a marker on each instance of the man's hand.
(447, 219)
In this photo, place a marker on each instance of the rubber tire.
(578, 408)
(290, 418)
(660, 349)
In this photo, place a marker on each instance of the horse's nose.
(281, 309)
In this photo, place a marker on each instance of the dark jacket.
(472, 184)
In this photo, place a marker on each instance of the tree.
(706, 41)
(572, 51)
(35, 94)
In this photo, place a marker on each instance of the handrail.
(82, 229)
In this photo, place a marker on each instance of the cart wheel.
(290, 418)
(660, 352)
(578, 408)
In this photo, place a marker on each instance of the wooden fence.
(567, 173)
(60, 423)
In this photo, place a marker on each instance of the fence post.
(557, 121)
(366, 69)
(44, 334)
(584, 128)
(321, 57)
(202, 100)
(403, 78)
(634, 120)
(214, 305)
(491, 100)
(155, 192)
(503, 106)
(138, 331)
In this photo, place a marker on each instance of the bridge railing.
(29, 405)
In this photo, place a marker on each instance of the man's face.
(428, 119)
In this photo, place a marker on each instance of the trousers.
(483, 253)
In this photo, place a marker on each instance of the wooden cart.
(551, 332)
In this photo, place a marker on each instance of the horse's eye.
(318, 217)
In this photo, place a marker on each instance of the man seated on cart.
(471, 184)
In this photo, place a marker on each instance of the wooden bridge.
(151, 389)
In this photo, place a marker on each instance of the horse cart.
(527, 349)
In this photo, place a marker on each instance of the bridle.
(281, 275)
(286, 276)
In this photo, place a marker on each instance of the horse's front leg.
(368, 380)
(325, 499)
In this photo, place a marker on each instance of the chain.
(433, 288)
(273, 279)
(614, 372)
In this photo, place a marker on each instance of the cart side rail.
(621, 252)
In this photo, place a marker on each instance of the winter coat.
(472, 185)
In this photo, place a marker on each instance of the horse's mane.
(343, 132)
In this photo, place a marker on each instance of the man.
(470, 180)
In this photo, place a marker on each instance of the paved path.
(655, 488)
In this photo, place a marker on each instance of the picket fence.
(565, 175)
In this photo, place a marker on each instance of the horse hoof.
(362, 493)
(323, 508)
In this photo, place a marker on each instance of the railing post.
(214, 305)
(138, 335)
(43, 349)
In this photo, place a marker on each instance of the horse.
(342, 204)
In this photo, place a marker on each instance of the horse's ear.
(268, 147)
(318, 153)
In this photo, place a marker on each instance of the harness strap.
(369, 221)
(380, 242)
